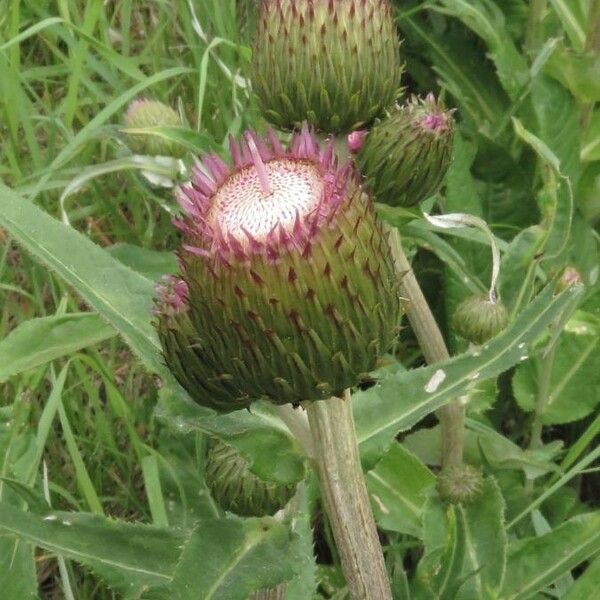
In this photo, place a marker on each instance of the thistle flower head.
(459, 484)
(478, 319)
(335, 63)
(142, 114)
(236, 489)
(406, 155)
(291, 289)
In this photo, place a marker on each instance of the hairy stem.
(429, 336)
(345, 497)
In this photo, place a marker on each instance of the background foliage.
(101, 489)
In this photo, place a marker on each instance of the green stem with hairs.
(345, 497)
(429, 336)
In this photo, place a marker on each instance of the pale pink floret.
(356, 140)
(171, 294)
(271, 199)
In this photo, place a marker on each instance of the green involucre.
(334, 64)
(405, 156)
(477, 319)
(236, 489)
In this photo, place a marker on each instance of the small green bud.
(406, 155)
(335, 64)
(236, 489)
(477, 319)
(570, 276)
(459, 484)
(151, 113)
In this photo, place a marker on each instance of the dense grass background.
(68, 69)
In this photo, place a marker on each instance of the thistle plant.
(142, 114)
(236, 489)
(404, 158)
(333, 64)
(290, 290)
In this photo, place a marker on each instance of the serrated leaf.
(587, 584)
(397, 488)
(590, 148)
(574, 389)
(256, 433)
(38, 341)
(120, 295)
(401, 400)
(239, 556)
(152, 264)
(17, 569)
(129, 557)
(535, 563)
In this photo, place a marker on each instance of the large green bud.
(478, 319)
(404, 158)
(143, 114)
(236, 489)
(289, 292)
(333, 63)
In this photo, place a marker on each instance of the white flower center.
(297, 187)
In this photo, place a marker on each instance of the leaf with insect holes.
(397, 402)
(39, 341)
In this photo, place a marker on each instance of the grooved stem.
(345, 497)
(429, 336)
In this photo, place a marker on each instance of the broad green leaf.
(256, 433)
(397, 487)
(587, 584)
(574, 390)
(38, 341)
(129, 557)
(535, 563)
(485, 544)
(18, 578)
(579, 73)
(121, 296)
(488, 22)
(573, 21)
(439, 572)
(401, 400)
(590, 147)
(152, 264)
(238, 556)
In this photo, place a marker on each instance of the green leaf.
(487, 21)
(129, 557)
(579, 73)
(590, 148)
(587, 584)
(17, 569)
(397, 487)
(121, 296)
(535, 563)
(486, 544)
(401, 400)
(38, 341)
(197, 142)
(439, 570)
(573, 20)
(238, 556)
(256, 433)
(574, 390)
(152, 264)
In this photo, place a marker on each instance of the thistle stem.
(429, 336)
(345, 497)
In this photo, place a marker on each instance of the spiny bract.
(287, 289)
(236, 489)
(404, 158)
(478, 319)
(335, 63)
